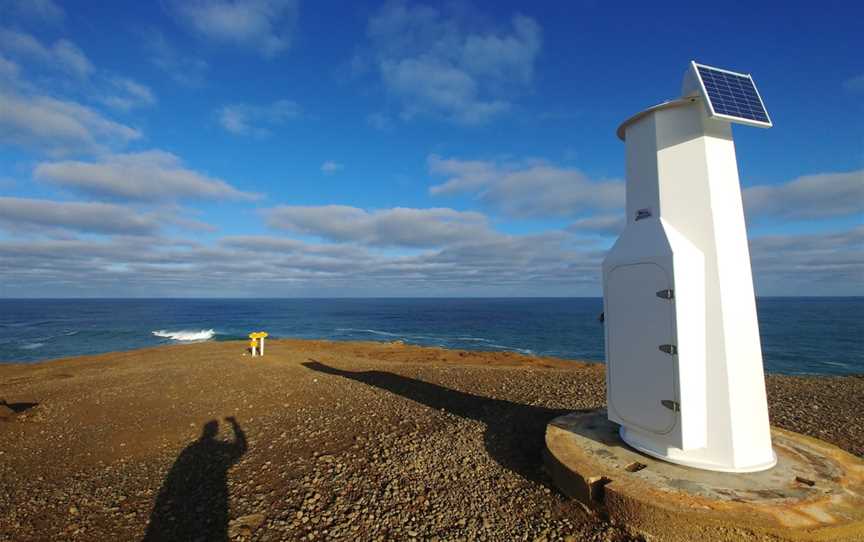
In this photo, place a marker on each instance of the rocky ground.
(316, 441)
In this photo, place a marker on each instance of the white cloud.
(128, 94)
(72, 58)
(531, 190)
(427, 85)
(810, 264)
(8, 70)
(379, 121)
(246, 119)
(507, 57)
(58, 127)
(17, 214)
(855, 84)
(34, 115)
(612, 224)
(497, 264)
(264, 25)
(810, 196)
(42, 10)
(64, 54)
(244, 265)
(185, 69)
(467, 175)
(330, 167)
(389, 227)
(285, 245)
(448, 65)
(143, 176)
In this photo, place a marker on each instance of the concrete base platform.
(815, 492)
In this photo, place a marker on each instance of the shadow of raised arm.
(239, 446)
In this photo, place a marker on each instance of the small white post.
(261, 348)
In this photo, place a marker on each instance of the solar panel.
(732, 96)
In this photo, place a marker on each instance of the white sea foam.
(408, 336)
(372, 331)
(31, 346)
(525, 351)
(438, 339)
(185, 334)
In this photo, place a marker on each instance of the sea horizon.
(396, 297)
(796, 331)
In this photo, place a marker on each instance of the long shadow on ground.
(514, 432)
(8, 411)
(18, 408)
(193, 501)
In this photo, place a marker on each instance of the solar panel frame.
(734, 101)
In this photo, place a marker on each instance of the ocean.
(799, 335)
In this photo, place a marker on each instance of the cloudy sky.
(285, 148)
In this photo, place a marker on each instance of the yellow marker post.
(258, 338)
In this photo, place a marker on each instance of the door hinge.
(674, 406)
(670, 349)
(666, 294)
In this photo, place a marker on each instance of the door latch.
(674, 406)
(670, 349)
(666, 294)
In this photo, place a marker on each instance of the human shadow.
(515, 433)
(192, 503)
(18, 408)
(8, 411)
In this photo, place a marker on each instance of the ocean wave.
(185, 335)
(525, 351)
(448, 341)
(409, 336)
(31, 346)
(372, 331)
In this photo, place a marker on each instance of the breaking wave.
(186, 335)
(444, 341)
(526, 351)
(372, 331)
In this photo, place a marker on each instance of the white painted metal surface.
(634, 305)
(685, 375)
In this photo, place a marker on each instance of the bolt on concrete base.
(814, 493)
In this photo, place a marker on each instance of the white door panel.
(638, 322)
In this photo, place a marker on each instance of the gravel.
(333, 441)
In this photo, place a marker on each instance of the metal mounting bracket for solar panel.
(727, 95)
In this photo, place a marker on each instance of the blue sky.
(282, 148)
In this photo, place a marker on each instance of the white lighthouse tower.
(684, 362)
